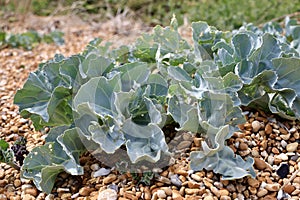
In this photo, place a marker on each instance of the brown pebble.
(252, 190)
(190, 191)
(253, 182)
(262, 192)
(176, 195)
(196, 177)
(3, 183)
(28, 197)
(66, 196)
(2, 173)
(17, 183)
(208, 198)
(289, 189)
(225, 198)
(268, 129)
(167, 190)
(85, 191)
(181, 172)
(147, 193)
(129, 195)
(243, 146)
(270, 197)
(193, 184)
(223, 192)
(273, 187)
(32, 191)
(215, 191)
(110, 178)
(275, 150)
(297, 180)
(197, 141)
(260, 164)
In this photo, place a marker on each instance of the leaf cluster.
(30, 39)
(112, 99)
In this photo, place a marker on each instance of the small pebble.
(95, 167)
(108, 194)
(292, 147)
(283, 143)
(110, 178)
(161, 194)
(256, 125)
(101, 172)
(273, 187)
(175, 180)
(283, 170)
(253, 182)
(262, 192)
(260, 164)
(208, 198)
(289, 189)
(282, 156)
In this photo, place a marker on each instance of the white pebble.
(256, 125)
(283, 143)
(101, 172)
(282, 156)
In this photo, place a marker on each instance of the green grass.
(224, 14)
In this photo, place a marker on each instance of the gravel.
(270, 141)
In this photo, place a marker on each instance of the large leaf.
(144, 142)
(44, 163)
(223, 162)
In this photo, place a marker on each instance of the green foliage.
(122, 98)
(30, 39)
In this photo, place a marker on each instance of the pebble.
(95, 167)
(283, 170)
(2, 173)
(289, 189)
(225, 197)
(256, 125)
(262, 192)
(268, 129)
(208, 198)
(32, 191)
(85, 191)
(161, 194)
(243, 146)
(292, 147)
(101, 172)
(167, 190)
(28, 197)
(283, 143)
(17, 183)
(175, 180)
(282, 156)
(196, 177)
(110, 178)
(273, 187)
(108, 194)
(176, 195)
(285, 137)
(260, 164)
(253, 182)
(66, 196)
(224, 192)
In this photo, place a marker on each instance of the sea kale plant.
(106, 100)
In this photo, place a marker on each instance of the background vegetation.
(224, 14)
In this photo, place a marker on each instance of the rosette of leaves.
(122, 98)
